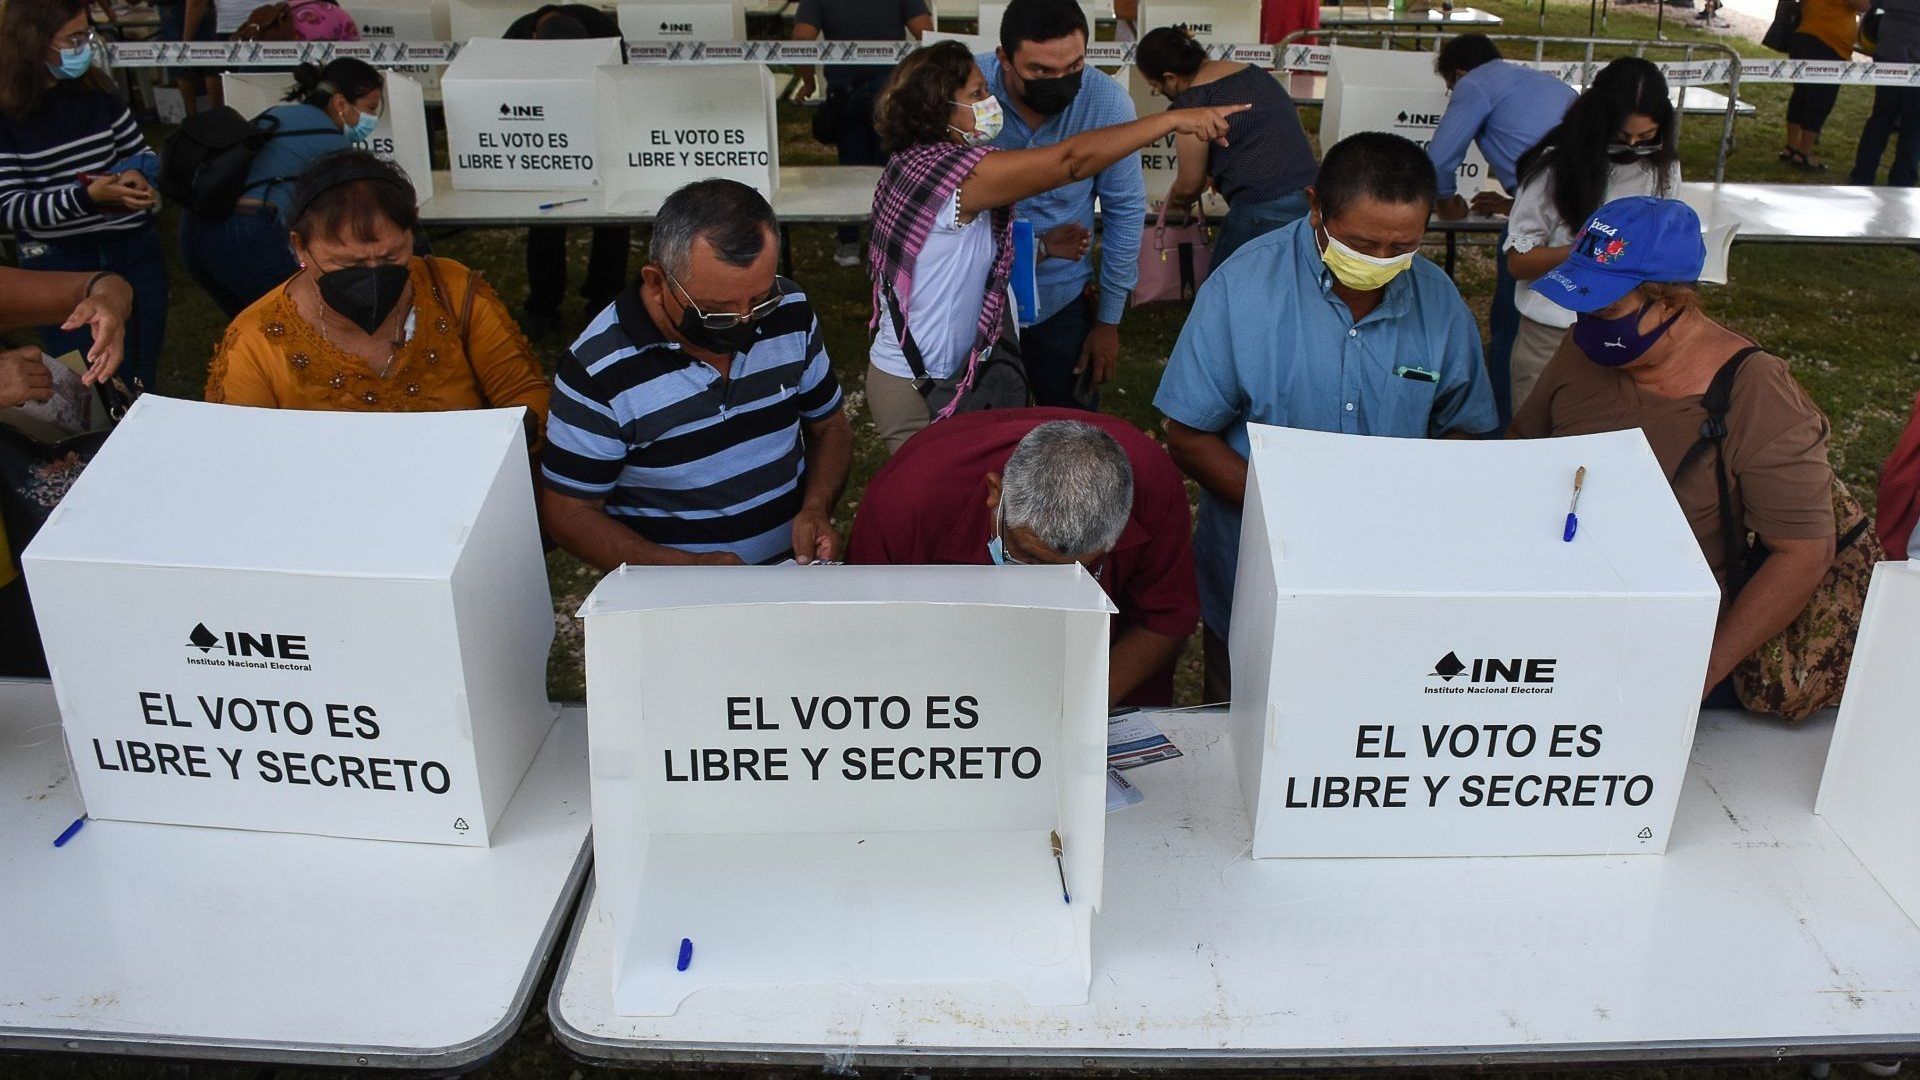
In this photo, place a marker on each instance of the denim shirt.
(1270, 342)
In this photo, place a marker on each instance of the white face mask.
(987, 121)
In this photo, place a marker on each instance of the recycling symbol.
(1645, 833)
(460, 824)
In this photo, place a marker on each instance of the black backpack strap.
(1713, 433)
(915, 362)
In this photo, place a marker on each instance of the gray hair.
(1071, 483)
(732, 217)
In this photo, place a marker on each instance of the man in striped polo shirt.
(696, 420)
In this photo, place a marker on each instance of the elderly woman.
(366, 324)
(942, 245)
(1642, 354)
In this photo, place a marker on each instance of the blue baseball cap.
(1626, 242)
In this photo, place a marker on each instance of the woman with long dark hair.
(76, 180)
(1264, 173)
(241, 257)
(942, 247)
(1617, 139)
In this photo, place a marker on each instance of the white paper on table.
(1120, 793)
(1134, 740)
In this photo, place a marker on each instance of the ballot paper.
(1120, 793)
(73, 409)
(1134, 740)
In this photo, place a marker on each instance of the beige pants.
(898, 410)
(1533, 346)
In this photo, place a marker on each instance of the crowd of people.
(697, 418)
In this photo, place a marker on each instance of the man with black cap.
(547, 244)
(1048, 93)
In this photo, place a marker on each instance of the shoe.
(1879, 1068)
(847, 255)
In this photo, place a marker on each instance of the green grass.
(1844, 317)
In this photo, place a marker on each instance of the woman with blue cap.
(1643, 354)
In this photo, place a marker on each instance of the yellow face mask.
(1365, 273)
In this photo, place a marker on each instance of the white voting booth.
(847, 774)
(520, 114)
(664, 127)
(711, 20)
(1384, 90)
(1211, 22)
(1867, 793)
(400, 137)
(310, 622)
(1423, 666)
(404, 21)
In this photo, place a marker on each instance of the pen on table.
(61, 840)
(558, 205)
(1054, 837)
(1573, 522)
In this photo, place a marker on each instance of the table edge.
(472, 1052)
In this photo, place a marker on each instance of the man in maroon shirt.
(1051, 486)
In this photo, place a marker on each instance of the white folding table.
(1758, 935)
(168, 941)
(831, 194)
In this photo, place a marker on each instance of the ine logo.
(522, 112)
(240, 648)
(1413, 119)
(1493, 675)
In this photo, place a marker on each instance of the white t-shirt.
(949, 285)
(1534, 222)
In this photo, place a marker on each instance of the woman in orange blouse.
(368, 326)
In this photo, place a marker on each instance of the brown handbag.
(269, 22)
(1802, 669)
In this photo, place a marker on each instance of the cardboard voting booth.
(1867, 793)
(1384, 90)
(1211, 22)
(847, 774)
(1422, 665)
(711, 20)
(664, 127)
(400, 137)
(404, 21)
(520, 114)
(309, 622)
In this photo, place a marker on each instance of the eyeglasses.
(727, 320)
(84, 37)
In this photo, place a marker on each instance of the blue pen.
(686, 954)
(1573, 522)
(558, 205)
(61, 840)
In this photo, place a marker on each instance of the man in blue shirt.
(1332, 323)
(1507, 108)
(1048, 93)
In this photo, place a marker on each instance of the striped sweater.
(74, 130)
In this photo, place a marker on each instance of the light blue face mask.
(74, 62)
(996, 550)
(362, 129)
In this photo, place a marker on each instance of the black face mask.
(737, 338)
(1050, 97)
(363, 295)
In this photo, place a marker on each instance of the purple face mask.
(1617, 342)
